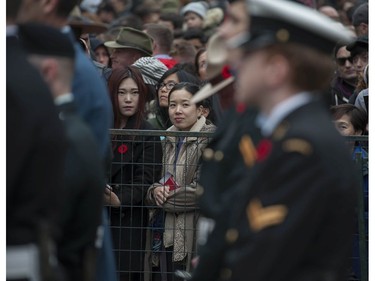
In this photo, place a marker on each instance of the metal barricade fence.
(150, 242)
(360, 241)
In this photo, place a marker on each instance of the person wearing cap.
(360, 20)
(100, 51)
(52, 53)
(344, 82)
(194, 14)
(129, 45)
(198, 15)
(152, 70)
(35, 154)
(359, 56)
(90, 95)
(293, 215)
(359, 53)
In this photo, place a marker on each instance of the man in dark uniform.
(91, 97)
(52, 53)
(292, 218)
(225, 156)
(35, 146)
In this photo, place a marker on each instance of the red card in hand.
(168, 180)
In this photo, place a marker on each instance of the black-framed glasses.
(342, 61)
(169, 85)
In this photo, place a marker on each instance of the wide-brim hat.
(85, 25)
(281, 21)
(131, 38)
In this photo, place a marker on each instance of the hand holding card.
(168, 180)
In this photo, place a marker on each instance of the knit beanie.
(151, 68)
(360, 15)
(200, 8)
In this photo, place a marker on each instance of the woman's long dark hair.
(114, 82)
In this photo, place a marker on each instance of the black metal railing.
(139, 225)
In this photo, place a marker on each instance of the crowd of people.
(256, 199)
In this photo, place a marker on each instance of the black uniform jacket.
(82, 198)
(293, 220)
(35, 146)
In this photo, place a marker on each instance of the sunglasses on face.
(342, 61)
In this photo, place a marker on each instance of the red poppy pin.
(263, 149)
(122, 148)
(240, 108)
(225, 72)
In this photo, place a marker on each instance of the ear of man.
(49, 6)
(49, 69)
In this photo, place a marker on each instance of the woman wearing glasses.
(167, 81)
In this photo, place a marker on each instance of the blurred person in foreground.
(90, 95)
(292, 216)
(52, 53)
(34, 167)
(89, 90)
(223, 156)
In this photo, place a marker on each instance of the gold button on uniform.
(282, 35)
(231, 235)
(225, 273)
(200, 190)
(218, 156)
(208, 154)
